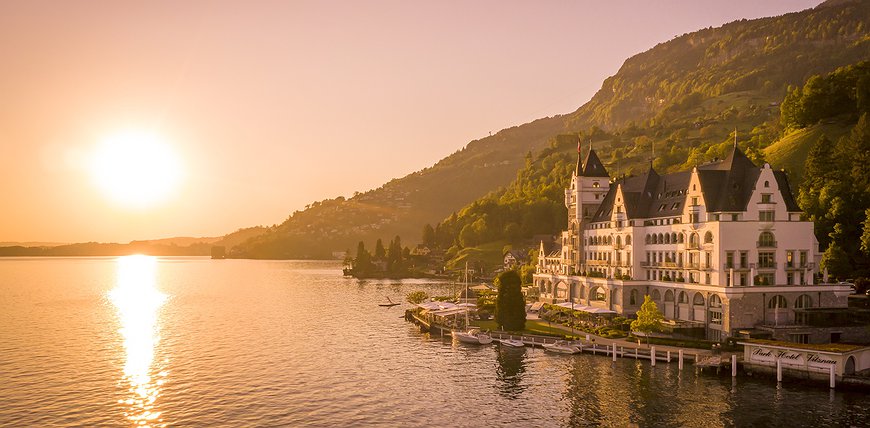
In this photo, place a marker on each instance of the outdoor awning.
(436, 306)
(584, 308)
(448, 312)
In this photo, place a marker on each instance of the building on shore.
(722, 249)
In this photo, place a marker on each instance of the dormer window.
(765, 198)
(766, 184)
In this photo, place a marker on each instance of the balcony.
(766, 265)
(765, 244)
(695, 265)
(728, 266)
(598, 262)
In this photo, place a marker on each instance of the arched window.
(609, 240)
(669, 296)
(661, 239)
(777, 302)
(632, 299)
(698, 300)
(684, 298)
(648, 239)
(715, 301)
(708, 237)
(627, 239)
(597, 293)
(618, 240)
(766, 183)
(656, 295)
(674, 238)
(803, 301)
(766, 239)
(667, 238)
(693, 239)
(682, 238)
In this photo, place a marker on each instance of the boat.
(473, 336)
(513, 343)
(563, 347)
(388, 305)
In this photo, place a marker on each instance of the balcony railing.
(766, 265)
(691, 265)
(765, 244)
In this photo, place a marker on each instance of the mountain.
(681, 100)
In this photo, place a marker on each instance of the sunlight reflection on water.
(137, 300)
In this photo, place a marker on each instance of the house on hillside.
(513, 259)
(721, 249)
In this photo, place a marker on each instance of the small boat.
(513, 343)
(388, 305)
(563, 347)
(473, 336)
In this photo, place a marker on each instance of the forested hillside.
(679, 102)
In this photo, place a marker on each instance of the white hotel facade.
(722, 247)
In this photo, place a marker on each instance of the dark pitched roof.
(784, 188)
(726, 185)
(592, 166)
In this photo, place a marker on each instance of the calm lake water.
(195, 342)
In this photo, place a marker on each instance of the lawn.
(532, 327)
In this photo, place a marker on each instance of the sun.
(136, 169)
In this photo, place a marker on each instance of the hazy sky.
(269, 106)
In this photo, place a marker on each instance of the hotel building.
(720, 249)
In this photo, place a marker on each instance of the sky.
(264, 107)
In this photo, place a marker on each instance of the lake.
(141, 341)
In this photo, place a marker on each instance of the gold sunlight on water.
(137, 300)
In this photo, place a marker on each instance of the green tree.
(865, 235)
(510, 306)
(429, 235)
(380, 253)
(362, 264)
(417, 297)
(649, 319)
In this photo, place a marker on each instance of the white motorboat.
(563, 347)
(473, 336)
(513, 343)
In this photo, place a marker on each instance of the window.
(766, 183)
(698, 300)
(764, 279)
(777, 302)
(766, 216)
(789, 258)
(800, 337)
(803, 302)
(729, 260)
(694, 218)
(683, 297)
(803, 259)
(734, 217)
(716, 317)
(766, 259)
(765, 198)
(708, 237)
(766, 240)
(694, 200)
(744, 256)
(632, 300)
